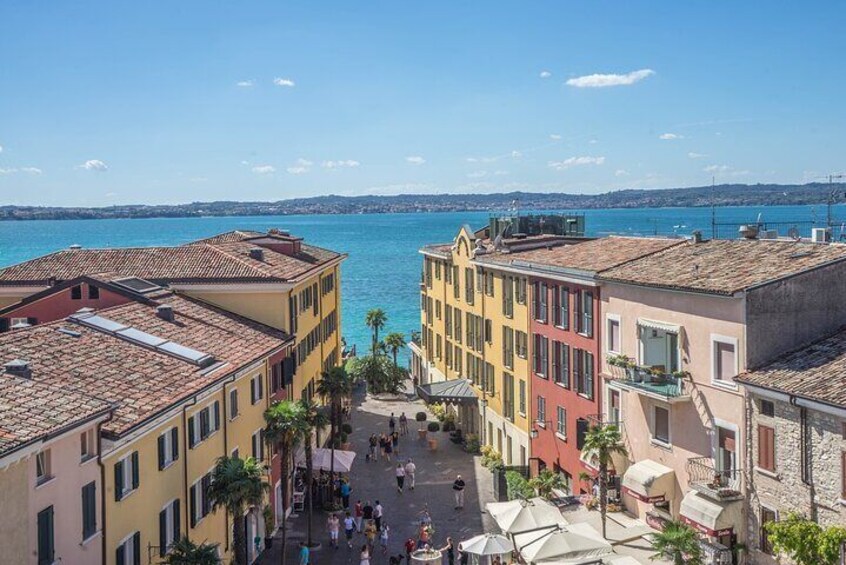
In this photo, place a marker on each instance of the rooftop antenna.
(713, 209)
(832, 195)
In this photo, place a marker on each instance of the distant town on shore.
(719, 195)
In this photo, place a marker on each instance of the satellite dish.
(793, 233)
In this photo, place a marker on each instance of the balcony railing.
(715, 483)
(651, 380)
(602, 420)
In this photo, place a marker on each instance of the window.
(522, 345)
(429, 310)
(129, 551)
(468, 285)
(561, 363)
(767, 408)
(522, 397)
(562, 307)
(766, 448)
(584, 313)
(583, 376)
(200, 503)
(541, 419)
(448, 355)
(438, 270)
(126, 476)
(438, 309)
(46, 542)
(233, 404)
(540, 355)
(76, 292)
(521, 290)
(490, 379)
(87, 445)
(661, 425)
(93, 292)
(428, 273)
(489, 283)
(458, 330)
(507, 296)
(448, 320)
(168, 526)
(447, 273)
(767, 516)
(456, 285)
(613, 345)
(458, 360)
(327, 283)
(508, 347)
(256, 389)
(614, 412)
(508, 395)
(89, 510)
(438, 347)
(168, 447)
(539, 301)
(258, 445)
(724, 361)
(561, 421)
(43, 469)
(204, 423)
(488, 331)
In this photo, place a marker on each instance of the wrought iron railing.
(651, 380)
(719, 484)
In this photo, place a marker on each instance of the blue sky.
(163, 102)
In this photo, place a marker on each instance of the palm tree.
(237, 484)
(185, 552)
(375, 320)
(678, 542)
(313, 419)
(601, 442)
(545, 482)
(283, 430)
(334, 386)
(394, 342)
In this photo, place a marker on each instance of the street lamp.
(542, 423)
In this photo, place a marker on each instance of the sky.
(118, 102)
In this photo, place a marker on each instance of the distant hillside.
(722, 195)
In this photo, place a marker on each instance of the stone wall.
(784, 490)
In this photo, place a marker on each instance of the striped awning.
(456, 391)
(709, 516)
(660, 326)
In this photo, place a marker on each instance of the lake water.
(383, 269)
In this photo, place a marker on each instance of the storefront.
(716, 521)
(653, 485)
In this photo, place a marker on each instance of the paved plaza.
(436, 470)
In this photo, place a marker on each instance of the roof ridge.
(238, 259)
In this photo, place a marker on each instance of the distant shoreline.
(696, 197)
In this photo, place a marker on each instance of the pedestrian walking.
(333, 524)
(463, 556)
(370, 533)
(367, 511)
(449, 551)
(389, 449)
(377, 515)
(400, 473)
(358, 514)
(403, 424)
(458, 488)
(364, 555)
(392, 423)
(395, 442)
(410, 545)
(410, 469)
(423, 536)
(396, 559)
(305, 554)
(382, 445)
(349, 528)
(383, 538)
(374, 443)
(346, 489)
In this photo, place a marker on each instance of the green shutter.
(192, 440)
(136, 548)
(118, 480)
(161, 449)
(45, 536)
(134, 470)
(193, 505)
(174, 443)
(163, 533)
(177, 520)
(120, 555)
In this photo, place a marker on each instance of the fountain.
(426, 556)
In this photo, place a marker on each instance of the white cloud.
(31, 170)
(477, 175)
(716, 168)
(111, 194)
(670, 136)
(1, 148)
(593, 142)
(246, 83)
(545, 74)
(516, 154)
(415, 160)
(27, 170)
(245, 162)
(349, 163)
(621, 173)
(554, 136)
(283, 82)
(694, 155)
(500, 173)
(300, 167)
(198, 179)
(575, 162)
(264, 169)
(604, 80)
(94, 165)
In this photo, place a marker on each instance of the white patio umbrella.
(561, 544)
(520, 515)
(487, 545)
(321, 459)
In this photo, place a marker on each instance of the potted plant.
(471, 444)
(631, 369)
(347, 429)
(345, 442)
(433, 442)
(421, 431)
(269, 523)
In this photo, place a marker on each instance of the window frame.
(654, 439)
(561, 422)
(609, 320)
(725, 340)
(43, 462)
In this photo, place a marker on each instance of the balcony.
(707, 479)
(603, 420)
(651, 381)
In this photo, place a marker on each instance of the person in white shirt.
(377, 515)
(410, 469)
(400, 472)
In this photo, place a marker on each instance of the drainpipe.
(225, 411)
(102, 483)
(185, 450)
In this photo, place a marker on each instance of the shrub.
(434, 427)
(471, 444)
(380, 374)
(420, 417)
(347, 429)
(438, 411)
(449, 426)
(491, 458)
(518, 486)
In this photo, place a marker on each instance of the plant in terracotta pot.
(433, 442)
(345, 441)
(347, 429)
(421, 431)
(269, 523)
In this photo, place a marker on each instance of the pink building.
(678, 326)
(50, 487)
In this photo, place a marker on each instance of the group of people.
(365, 518)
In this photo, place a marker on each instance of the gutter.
(102, 484)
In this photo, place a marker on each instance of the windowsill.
(561, 436)
(542, 376)
(168, 465)
(90, 538)
(768, 473)
(612, 352)
(540, 425)
(725, 385)
(235, 417)
(586, 397)
(661, 444)
(44, 481)
(585, 334)
(87, 459)
(560, 327)
(541, 321)
(522, 414)
(127, 494)
(562, 385)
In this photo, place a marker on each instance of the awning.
(456, 391)
(661, 326)
(709, 516)
(575, 543)
(321, 459)
(648, 481)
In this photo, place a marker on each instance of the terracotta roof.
(220, 258)
(817, 372)
(31, 410)
(229, 236)
(721, 266)
(140, 381)
(592, 255)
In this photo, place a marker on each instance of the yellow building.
(474, 325)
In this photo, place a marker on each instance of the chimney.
(18, 368)
(257, 253)
(165, 312)
(697, 236)
(75, 246)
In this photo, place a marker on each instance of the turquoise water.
(383, 269)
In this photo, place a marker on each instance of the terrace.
(708, 479)
(654, 382)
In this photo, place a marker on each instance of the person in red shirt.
(410, 546)
(359, 514)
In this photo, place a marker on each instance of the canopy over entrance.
(456, 391)
(648, 481)
(321, 459)
(709, 516)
